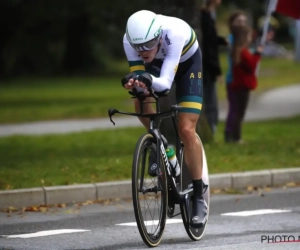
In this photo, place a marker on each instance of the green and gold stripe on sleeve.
(136, 66)
(190, 43)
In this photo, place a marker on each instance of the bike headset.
(144, 30)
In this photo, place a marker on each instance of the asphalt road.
(101, 222)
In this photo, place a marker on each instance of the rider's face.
(149, 55)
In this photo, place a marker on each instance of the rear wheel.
(149, 193)
(194, 233)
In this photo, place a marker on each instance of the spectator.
(236, 19)
(211, 63)
(244, 65)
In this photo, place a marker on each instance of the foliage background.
(63, 37)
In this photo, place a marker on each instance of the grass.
(99, 156)
(96, 156)
(26, 100)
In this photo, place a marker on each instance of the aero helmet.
(144, 30)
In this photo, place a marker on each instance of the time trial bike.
(155, 197)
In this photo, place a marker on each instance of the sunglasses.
(147, 45)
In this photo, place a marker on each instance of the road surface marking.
(150, 223)
(256, 212)
(45, 233)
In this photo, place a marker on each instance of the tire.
(194, 233)
(150, 231)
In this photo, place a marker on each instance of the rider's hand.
(144, 81)
(130, 84)
(128, 81)
(131, 80)
(140, 84)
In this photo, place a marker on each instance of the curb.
(122, 189)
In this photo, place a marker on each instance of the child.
(244, 78)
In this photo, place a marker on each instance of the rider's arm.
(170, 64)
(136, 65)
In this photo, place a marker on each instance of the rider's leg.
(193, 159)
(189, 93)
(147, 109)
(154, 69)
(187, 131)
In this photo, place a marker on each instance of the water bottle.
(173, 160)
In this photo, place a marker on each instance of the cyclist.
(164, 49)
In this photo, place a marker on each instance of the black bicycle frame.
(155, 120)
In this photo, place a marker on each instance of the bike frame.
(155, 120)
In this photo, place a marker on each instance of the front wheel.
(149, 192)
(194, 233)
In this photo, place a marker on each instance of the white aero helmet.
(144, 30)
